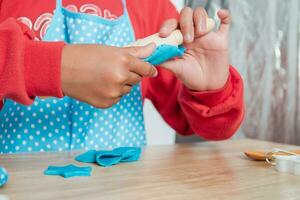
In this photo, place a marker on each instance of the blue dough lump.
(108, 158)
(164, 53)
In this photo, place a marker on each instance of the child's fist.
(101, 75)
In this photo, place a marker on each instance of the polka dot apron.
(67, 124)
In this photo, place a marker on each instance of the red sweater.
(30, 68)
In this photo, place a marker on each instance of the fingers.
(133, 79)
(126, 90)
(203, 24)
(174, 66)
(103, 102)
(168, 27)
(195, 23)
(187, 25)
(142, 68)
(200, 17)
(225, 18)
(141, 52)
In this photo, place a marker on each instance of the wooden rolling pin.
(174, 39)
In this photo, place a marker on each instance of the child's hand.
(205, 64)
(101, 75)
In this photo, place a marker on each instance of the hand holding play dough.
(205, 64)
(86, 76)
(167, 47)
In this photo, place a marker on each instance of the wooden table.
(212, 170)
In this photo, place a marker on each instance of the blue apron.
(67, 124)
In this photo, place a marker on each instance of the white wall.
(158, 132)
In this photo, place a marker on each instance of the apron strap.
(124, 6)
(58, 4)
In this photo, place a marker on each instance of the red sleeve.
(28, 68)
(213, 115)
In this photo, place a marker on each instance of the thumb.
(173, 66)
(141, 51)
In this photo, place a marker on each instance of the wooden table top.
(210, 170)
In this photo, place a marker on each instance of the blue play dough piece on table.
(122, 154)
(87, 157)
(3, 176)
(107, 158)
(164, 53)
(68, 171)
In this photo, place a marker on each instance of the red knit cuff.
(42, 62)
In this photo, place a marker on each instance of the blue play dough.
(87, 157)
(108, 158)
(122, 154)
(3, 176)
(68, 171)
(164, 53)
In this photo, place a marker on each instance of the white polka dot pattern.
(65, 124)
